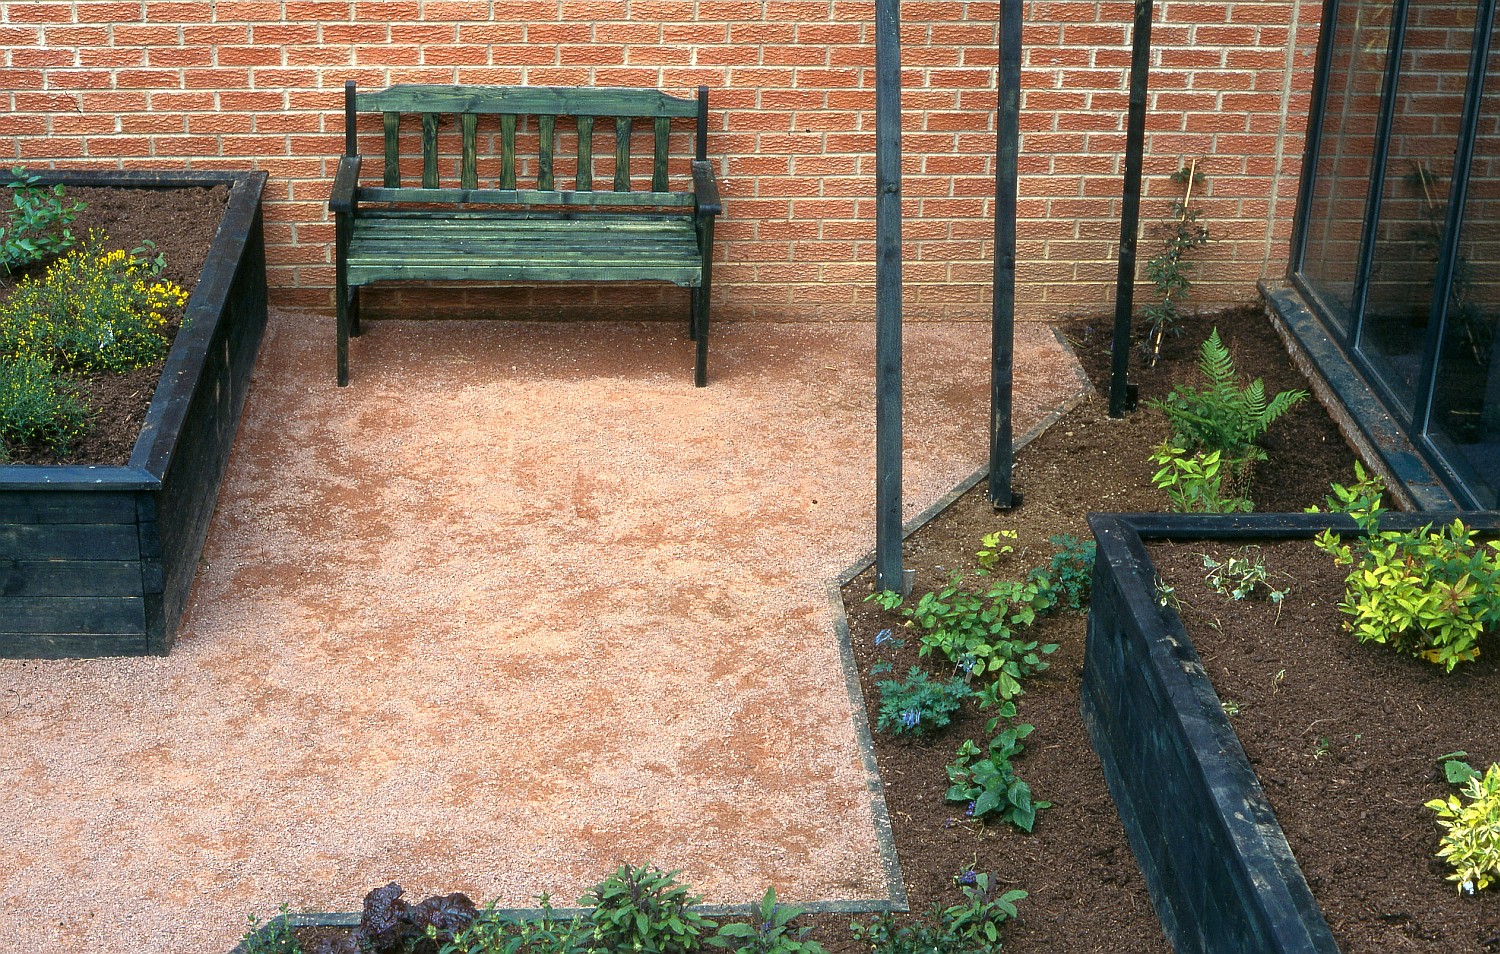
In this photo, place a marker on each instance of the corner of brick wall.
(258, 84)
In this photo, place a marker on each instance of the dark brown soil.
(182, 223)
(1086, 894)
(1346, 740)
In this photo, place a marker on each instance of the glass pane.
(1434, 68)
(1465, 421)
(1341, 181)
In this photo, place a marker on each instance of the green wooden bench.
(512, 234)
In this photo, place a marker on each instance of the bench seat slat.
(504, 249)
(549, 272)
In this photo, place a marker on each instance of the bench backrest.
(545, 104)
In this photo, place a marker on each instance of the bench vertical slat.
(429, 151)
(508, 152)
(392, 157)
(546, 126)
(469, 169)
(585, 154)
(663, 126)
(622, 153)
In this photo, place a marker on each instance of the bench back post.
(700, 150)
(350, 147)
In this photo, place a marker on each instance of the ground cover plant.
(1084, 892)
(84, 325)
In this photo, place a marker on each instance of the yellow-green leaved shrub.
(1472, 842)
(1428, 593)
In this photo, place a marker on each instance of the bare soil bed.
(1346, 740)
(182, 224)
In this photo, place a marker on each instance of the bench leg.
(700, 335)
(341, 312)
(354, 329)
(693, 315)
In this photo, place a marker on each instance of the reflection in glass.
(1413, 200)
(1346, 146)
(1465, 419)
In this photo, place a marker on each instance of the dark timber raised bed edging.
(1215, 861)
(98, 561)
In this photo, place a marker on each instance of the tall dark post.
(1130, 208)
(888, 574)
(1003, 324)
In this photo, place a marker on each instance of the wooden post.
(1130, 208)
(1003, 323)
(888, 575)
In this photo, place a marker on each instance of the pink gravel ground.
(519, 604)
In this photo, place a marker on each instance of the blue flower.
(884, 636)
(910, 718)
(970, 810)
(968, 879)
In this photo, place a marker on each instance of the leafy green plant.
(645, 911)
(1455, 769)
(969, 927)
(273, 937)
(976, 630)
(1071, 570)
(36, 227)
(1224, 416)
(548, 934)
(1195, 482)
(919, 704)
(37, 406)
(977, 919)
(770, 931)
(1471, 844)
(994, 547)
(1424, 592)
(1168, 271)
(1241, 576)
(986, 779)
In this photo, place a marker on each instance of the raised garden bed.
(98, 560)
(1219, 868)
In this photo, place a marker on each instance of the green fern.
(1224, 416)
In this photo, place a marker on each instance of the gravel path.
(519, 604)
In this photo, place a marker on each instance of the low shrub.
(1424, 592)
(1471, 844)
(645, 911)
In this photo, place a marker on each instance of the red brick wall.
(238, 83)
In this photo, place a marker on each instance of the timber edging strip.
(1216, 863)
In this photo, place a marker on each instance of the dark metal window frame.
(1417, 423)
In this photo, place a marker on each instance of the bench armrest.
(344, 184)
(705, 190)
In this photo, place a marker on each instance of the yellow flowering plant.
(93, 310)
